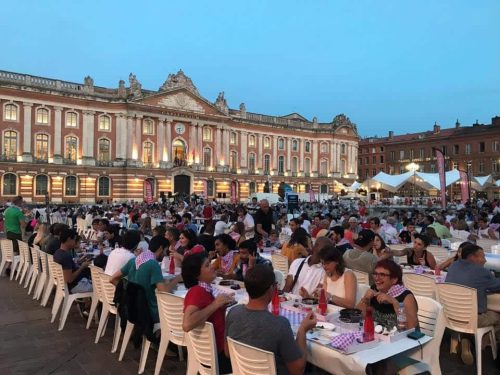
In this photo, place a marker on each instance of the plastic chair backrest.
(360, 292)
(107, 289)
(362, 277)
(486, 243)
(249, 360)
(7, 250)
(280, 262)
(34, 254)
(43, 261)
(280, 278)
(460, 306)
(95, 274)
(440, 253)
(420, 285)
(24, 251)
(57, 273)
(171, 311)
(204, 349)
(431, 317)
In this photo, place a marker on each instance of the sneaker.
(81, 310)
(466, 354)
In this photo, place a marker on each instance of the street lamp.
(413, 167)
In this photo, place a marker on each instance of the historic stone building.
(80, 143)
(474, 148)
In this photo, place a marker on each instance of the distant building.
(80, 143)
(475, 149)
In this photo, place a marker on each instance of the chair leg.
(102, 323)
(13, 268)
(34, 278)
(58, 299)
(493, 343)
(29, 277)
(48, 291)
(93, 310)
(117, 334)
(65, 312)
(144, 354)
(479, 352)
(126, 338)
(40, 286)
(162, 350)
(2, 266)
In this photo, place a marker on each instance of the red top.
(199, 297)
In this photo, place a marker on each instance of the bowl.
(226, 283)
(309, 301)
(350, 315)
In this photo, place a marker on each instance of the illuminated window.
(233, 138)
(147, 153)
(42, 116)
(70, 183)
(104, 123)
(71, 120)
(103, 186)
(10, 144)
(251, 162)
(41, 184)
(10, 112)
(70, 148)
(207, 157)
(267, 164)
(233, 160)
(281, 164)
(207, 134)
(104, 153)
(147, 127)
(251, 140)
(9, 186)
(323, 167)
(42, 147)
(267, 142)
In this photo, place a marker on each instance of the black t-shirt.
(207, 241)
(266, 220)
(66, 261)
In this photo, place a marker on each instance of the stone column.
(260, 155)
(331, 148)
(121, 137)
(130, 137)
(336, 159)
(58, 156)
(226, 145)
(274, 161)
(138, 137)
(288, 153)
(88, 138)
(218, 145)
(160, 140)
(168, 139)
(199, 142)
(301, 159)
(314, 150)
(244, 151)
(27, 155)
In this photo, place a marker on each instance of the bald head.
(320, 243)
(264, 205)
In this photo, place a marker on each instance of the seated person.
(418, 255)
(254, 325)
(145, 271)
(201, 306)
(387, 293)
(406, 235)
(448, 262)
(227, 256)
(305, 274)
(380, 249)
(360, 257)
(159, 245)
(298, 245)
(273, 240)
(77, 277)
(337, 236)
(249, 257)
(121, 255)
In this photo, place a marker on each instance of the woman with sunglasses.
(387, 293)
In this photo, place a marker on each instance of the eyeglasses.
(379, 274)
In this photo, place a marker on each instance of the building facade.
(72, 142)
(474, 148)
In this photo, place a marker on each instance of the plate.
(325, 325)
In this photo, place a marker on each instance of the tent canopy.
(390, 182)
(431, 180)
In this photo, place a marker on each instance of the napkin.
(343, 341)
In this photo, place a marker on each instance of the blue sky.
(387, 64)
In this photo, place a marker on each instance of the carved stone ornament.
(181, 101)
(179, 80)
(135, 86)
(221, 103)
(343, 120)
(88, 81)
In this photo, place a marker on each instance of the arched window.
(42, 147)
(9, 186)
(71, 119)
(210, 188)
(42, 116)
(307, 165)
(207, 134)
(308, 146)
(251, 140)
(147, 127)
(342, 148)
(251, 188)
(233, 138)
(233, 160)
(281, 164)
(295, 145)
(41, 184)
(281, 144)
(295, 164)
(105, 123)
(104, 154)
(267, 164)
(70, 148)
(251, 162)
(343, 167)
(267, 142)
(103, 187)
(207, 157)
(323, 167)
(10, 112)
(70, 186)
(147, 152)
(10, 144)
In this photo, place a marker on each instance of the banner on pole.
(149, 192)
(464, 186)
(312, 197)
(442, 176)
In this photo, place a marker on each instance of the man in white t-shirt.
(121, 255)
(307, 273)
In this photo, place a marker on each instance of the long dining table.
(324, 356)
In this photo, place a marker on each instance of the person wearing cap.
(360, 257)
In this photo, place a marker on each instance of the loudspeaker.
(224, 195)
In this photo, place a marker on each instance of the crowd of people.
(324, 244)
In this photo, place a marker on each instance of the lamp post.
(413, 167)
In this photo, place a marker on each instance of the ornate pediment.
(179, 80)
(181, 100)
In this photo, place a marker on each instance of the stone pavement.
(30, 344)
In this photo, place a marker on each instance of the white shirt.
(306, 224)
(220, 226)
(249, 224)
(310, 276)
(117, 259)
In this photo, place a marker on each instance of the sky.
(387, 64)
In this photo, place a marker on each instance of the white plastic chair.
(249, 360)
(51, 280)
(62, 294)
(202, 350)
(97, 294)
(420, 285)
(440, 253)
(171, 310)
(361, 290)
(25, 269)
(35, 269)
(280, 262)
(486, 243)
(8, 257)
(362, 277)
(432, 323)
(460, 309)
(44, 275)
(107, 291)
(280, 279)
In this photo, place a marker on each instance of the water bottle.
(171, 266)
(275, 303)
(401, 318)
(368, 326)
(322, 303)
